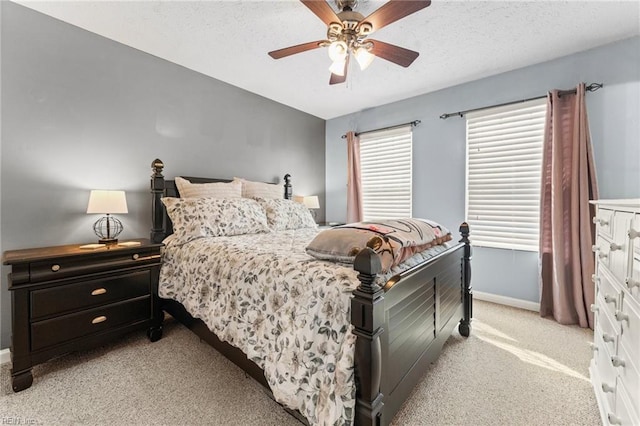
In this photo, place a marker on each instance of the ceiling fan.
(348, 33)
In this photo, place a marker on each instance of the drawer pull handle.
(595, 278)
(595, 248)
(601, 221)
(138, 258)
(621, 316)
(633, 233)
(617, 361)
(608, 338)
(631, 283)
(610, 299)
(98, 291)
(614, 247)
(603, 255)
(594, 308)
(98, 320)
(614, 420)
(55, 268)
(607, 388)
(593, 347)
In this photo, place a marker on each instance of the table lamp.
(311, 202)
(107, 228)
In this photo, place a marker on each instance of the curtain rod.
(413, 123)
(590, 88)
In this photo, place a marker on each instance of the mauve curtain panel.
(354, 186)
(566, 229)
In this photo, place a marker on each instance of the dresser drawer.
(67, 327)
(633, 281)
(629, 374)
(625, 413)
(604, 222)
(606, 372)
(629, 318)
(86, 294)
(634, 234)
(608, 293)
(64, 267)
(607, 331)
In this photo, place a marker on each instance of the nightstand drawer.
(67, 327)
(107, 260)
(87, 294)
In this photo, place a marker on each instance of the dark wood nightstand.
(65, 299)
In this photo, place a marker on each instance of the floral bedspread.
(289, 312)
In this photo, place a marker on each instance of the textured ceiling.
(458, 41)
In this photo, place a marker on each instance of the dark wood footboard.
(403, 326)
(400, 328)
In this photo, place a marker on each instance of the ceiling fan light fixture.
(337, 67)
(338, 51)
(364, 57)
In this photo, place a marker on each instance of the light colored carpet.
(515, 369)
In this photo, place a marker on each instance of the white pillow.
(251, 189)
(208, 190)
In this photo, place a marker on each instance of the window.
(504, 164)
(385, 167)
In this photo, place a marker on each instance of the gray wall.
(439, 146)
(82, 112)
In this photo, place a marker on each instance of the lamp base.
(108, 241)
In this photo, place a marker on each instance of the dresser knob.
(633, 233)
(603, 255)
(610, 299)
(98, 320)
(595, 248)
(607, 337)
(607, 388)
(601, 221)
(617, 361)
(593, 347)
(614, 420)
(614, 247)
(55, 268)
(135, 256)
(595, 278)
(631, 283)
(98, 291)
(594, 308)
(621, 316)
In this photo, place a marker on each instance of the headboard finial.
(157, 165)
(288, 190)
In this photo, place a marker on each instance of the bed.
(398, 321)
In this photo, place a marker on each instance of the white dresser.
(615, 367)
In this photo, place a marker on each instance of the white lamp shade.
(102, 202)
(310, 201)
(364, 57)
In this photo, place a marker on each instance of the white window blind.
(385, 166)
(504, 165)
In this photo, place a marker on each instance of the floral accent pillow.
(195, 218)
(251, 189)
(187, 189)
(394, 240)
(283, 214)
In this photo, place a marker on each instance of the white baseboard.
(5, 356)
(509, 301)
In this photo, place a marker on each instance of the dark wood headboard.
(161, 226)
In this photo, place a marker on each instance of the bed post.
(157, 192)
(288, 191)
(467, 294)
(367, 318)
